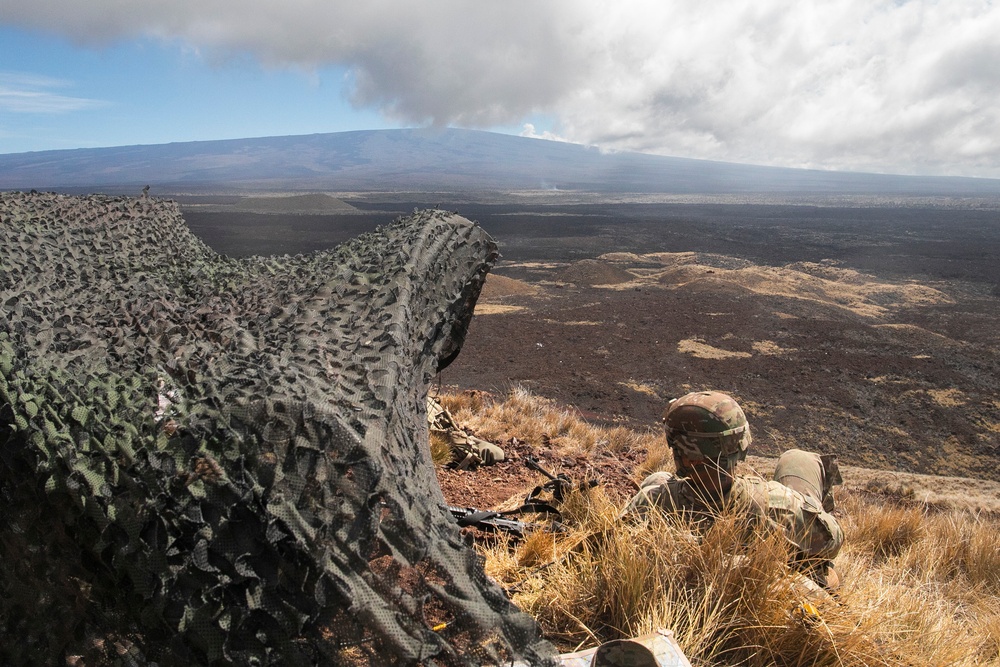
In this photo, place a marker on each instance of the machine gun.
(497, 522)
(558, 485)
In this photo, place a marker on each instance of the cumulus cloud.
(897, 85)
(529, 130)
(28, 93)
(441, 62)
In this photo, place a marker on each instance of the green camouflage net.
(206, 460)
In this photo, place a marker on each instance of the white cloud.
(529, 130)
(886, 85)
(28, 93)
(855, 84)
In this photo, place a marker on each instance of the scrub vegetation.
(919, 582)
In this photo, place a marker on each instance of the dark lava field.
(870, 329)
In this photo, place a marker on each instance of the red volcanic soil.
(508, 483)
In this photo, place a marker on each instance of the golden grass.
(497, 309)
(725, 605)
(440, 449)
(703, 350)
(888, 532)
(921, 585)
(535, 420)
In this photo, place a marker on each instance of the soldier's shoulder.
(781, 497)
(663, 489)
(659, 478)
(751, 489)
(749, 484)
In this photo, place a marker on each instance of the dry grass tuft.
(889, 532)
(658, 457)
(920, 584)
(729, 601)
(980, 555)
(988, 628)
(726, 605)
(537, 549)
(440, 449)
(537, 421)
(891, 488)
(966, 549)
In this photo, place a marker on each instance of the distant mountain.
(448, 160)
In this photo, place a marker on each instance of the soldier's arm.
(815, 533)
(653, 492)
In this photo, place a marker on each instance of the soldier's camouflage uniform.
(792, 502)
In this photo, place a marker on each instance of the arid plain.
(861, 326)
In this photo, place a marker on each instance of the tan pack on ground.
(468, 451)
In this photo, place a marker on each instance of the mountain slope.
(449, 160)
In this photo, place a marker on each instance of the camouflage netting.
(206, 460)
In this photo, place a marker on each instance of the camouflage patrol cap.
(707, 425)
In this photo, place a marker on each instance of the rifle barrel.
(535, 465)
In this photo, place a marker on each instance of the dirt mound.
(500, 286)
(698, 259)
(594, 272)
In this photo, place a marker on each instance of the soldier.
(468, 451)
(709, 435)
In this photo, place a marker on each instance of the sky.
(900, 86)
